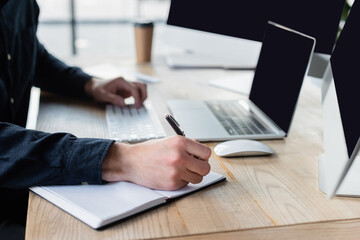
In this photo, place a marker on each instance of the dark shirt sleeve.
(30, 158)
(55, 76)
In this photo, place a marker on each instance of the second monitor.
(230, 32)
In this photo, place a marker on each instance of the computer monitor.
(340, 118)
(234, 29)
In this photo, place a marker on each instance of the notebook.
(100, 205)
(282, 65)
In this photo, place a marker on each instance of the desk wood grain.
(274, 197)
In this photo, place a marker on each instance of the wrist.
(89, 87)
(114, 167)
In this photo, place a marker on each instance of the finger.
(136, 93)
(191, 177)
(167, 185)
(197, 149)
(198, 166)
(142, 89)
(115, 99)
(132, 89)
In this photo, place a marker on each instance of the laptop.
(267, 114)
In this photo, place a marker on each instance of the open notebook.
(100, 205)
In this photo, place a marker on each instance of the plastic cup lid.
(143, 23)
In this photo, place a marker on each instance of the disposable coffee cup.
(143, 40)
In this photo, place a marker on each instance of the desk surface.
(274, 197)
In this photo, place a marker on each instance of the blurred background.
(94, 28)
(91, 28)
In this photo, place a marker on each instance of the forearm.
(55, 76)
(29, 158)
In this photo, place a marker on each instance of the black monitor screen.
(346, 72)
(247, 19)
(282, 65)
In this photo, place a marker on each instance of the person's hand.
(115, 91)
(166, 164)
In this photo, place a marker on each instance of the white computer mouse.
(242, 147)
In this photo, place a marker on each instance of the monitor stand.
(192, 60)
(318, 65)
(240, 82)
(351, 184)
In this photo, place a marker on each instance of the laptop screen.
(282, 65)
(345, 69)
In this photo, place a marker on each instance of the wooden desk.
(273, 197)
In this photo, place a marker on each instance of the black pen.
(174, 124)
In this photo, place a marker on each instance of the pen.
(174, 124)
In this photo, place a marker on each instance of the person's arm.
(3, 98)
(29, 157)
(55, 76)
(163, 164)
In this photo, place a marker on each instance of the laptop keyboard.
(236, 120)
(128, 124)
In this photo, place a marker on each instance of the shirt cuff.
(84, 162)
(81, 79)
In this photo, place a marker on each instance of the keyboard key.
(236, 120)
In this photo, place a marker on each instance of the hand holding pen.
(176, 127)
(165, 164)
